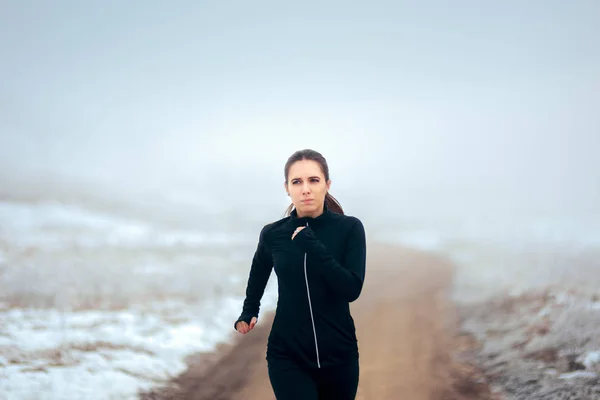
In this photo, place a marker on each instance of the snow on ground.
(528, 290)
(96, 306)
(107, 354)
(99, 306)
(539, 345)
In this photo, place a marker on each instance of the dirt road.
(407, 341)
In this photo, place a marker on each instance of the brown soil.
(409, 346)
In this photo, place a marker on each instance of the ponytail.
(330, 201)
(333, 205)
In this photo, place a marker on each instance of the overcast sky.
(501, 97)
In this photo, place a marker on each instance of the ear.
(285, 185)
(328, 184)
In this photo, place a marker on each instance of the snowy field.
(528, 289)
(98, 307)
(104, 354)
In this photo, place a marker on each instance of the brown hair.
(312, 155)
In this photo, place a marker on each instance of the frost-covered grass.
(68, 258)
(540, 338)
(98, 307)
(540, 344)
(116, 278)
(529, 290)
(105, 354)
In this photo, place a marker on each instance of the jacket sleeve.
(260, 271)
(345, 279)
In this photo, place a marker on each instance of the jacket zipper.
(312, 318)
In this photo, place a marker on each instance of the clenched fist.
(243, 328)
(297, 231)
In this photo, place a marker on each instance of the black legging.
(291, 382)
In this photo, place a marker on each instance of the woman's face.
(307, 187)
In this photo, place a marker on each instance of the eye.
(295, 181)
(314, 180)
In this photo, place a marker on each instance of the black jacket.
(318, 273)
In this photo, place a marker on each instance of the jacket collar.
(310, 220)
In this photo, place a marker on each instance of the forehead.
(305, 168)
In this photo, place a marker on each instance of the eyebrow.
(310, 177)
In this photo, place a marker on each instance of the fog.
(142, 147)
(419, 108)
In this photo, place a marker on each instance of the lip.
(308, 201)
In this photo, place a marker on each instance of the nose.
(305, 189)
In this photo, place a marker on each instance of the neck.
(310, 215)
(313, 214)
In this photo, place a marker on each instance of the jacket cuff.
(244, 317)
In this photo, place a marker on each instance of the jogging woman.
(319, 257)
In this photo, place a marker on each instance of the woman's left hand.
(298, 229)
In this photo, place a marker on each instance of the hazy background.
(142, 146)
(418, 107)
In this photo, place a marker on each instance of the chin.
(307, 209)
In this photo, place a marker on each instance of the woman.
(319, 257)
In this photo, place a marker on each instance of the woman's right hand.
(243, 327)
